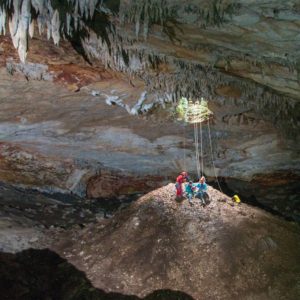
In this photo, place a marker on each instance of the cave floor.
(220, 251)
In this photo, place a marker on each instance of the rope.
(201, 148)
(196, 137)
(198, 157)
(184, 152)
(212, 156)
(200, 161)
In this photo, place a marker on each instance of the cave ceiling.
(224, 42)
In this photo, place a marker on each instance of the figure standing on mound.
(189, 190)
(201, 190)
(179, 181)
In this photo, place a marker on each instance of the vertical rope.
(195, 140)
(198, 161)
(198, 155)
(196, 137)
(201, 148)
(212, 156)
(184, 145)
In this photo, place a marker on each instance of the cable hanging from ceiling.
(198, 113)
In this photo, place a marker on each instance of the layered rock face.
(72, 126)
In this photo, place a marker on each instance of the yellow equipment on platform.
(236, 199)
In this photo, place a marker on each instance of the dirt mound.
(220, 251)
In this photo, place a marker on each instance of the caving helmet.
(185, 174)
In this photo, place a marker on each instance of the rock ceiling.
(255, 40)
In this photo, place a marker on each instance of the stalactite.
(21, 25)
(55, 24)
(68, 24)
(31, 29)
(2, 21)
(142, 12)
(147, 12)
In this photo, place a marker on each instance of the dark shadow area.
(43, 274)
(250, 199)
(49, 208)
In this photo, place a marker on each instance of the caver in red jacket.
(179, 181)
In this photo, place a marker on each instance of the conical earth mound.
(220, 251)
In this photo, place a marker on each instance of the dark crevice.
(250, 200)
(43, 274)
